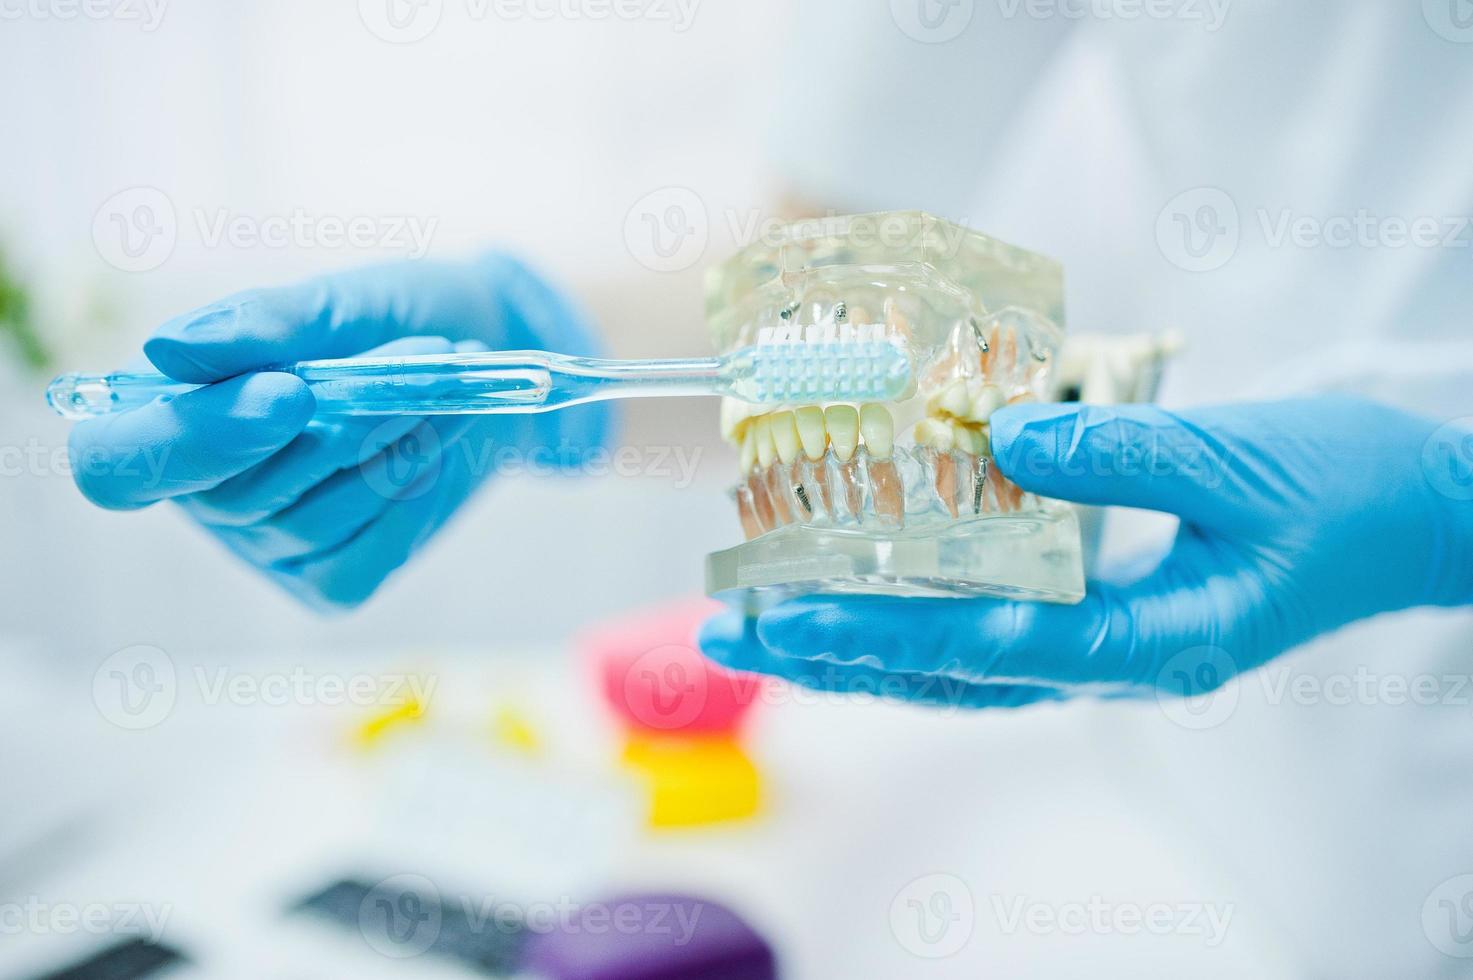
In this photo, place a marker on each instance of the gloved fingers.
(1204, 465)
(342, 505)
(323, 450)
(326, 446)
(345, 575)
(337, 315)
(187, 443)
(730, 639)
(929, 690)
(1114, 640)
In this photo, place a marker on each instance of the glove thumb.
(1123, 455)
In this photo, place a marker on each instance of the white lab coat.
(1326, 825)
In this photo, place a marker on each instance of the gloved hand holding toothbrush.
(329, 506)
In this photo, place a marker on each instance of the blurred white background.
(1324, 828)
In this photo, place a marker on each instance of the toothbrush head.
(828, 362)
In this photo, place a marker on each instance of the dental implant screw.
(977, 332)
(802, 495)
(841, 312)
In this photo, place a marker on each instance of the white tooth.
(762, 434)
(896, 325)
(1022, 398)
(810, 430)
(736, 415)
(969, 439)
(785, 436)
(952, 400)
(878, 429)
(747, 452)
(934, 433)
(988, 400)
(843, 425)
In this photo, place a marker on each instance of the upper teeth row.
(811, 431)
(957, 415)
(966, 398)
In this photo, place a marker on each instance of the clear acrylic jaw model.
(901, 497)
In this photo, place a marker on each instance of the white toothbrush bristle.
(848, 362)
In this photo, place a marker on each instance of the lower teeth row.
(923, 485)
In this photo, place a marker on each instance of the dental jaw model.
(900, 497)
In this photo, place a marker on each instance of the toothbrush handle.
(83, 396)
(509, 382)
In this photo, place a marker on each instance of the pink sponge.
(653, 675)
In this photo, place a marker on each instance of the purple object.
(647, 937)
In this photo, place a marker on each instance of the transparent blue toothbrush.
(787, 364)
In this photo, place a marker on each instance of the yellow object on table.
(376, 727)
(513, 730)
(694, 780)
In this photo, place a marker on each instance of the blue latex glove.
(329, 507)
(1296, 518)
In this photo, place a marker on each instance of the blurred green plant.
(16, 323)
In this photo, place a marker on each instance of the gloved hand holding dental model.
(1297, 518)
(329, 506)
